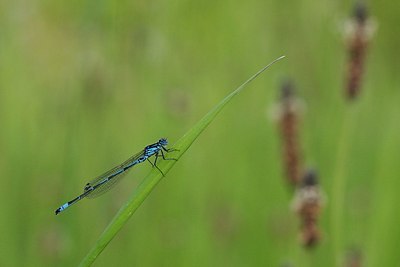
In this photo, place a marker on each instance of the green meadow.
(84, 85)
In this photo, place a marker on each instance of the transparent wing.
(114, 176)
(101, 189)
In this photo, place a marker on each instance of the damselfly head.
(163, 142)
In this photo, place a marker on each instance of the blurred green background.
(86, 84)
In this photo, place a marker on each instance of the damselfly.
(104, 182)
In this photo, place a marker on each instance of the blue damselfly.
(104, 182)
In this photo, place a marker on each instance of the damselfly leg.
(154, 164)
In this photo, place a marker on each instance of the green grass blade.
(147, 185)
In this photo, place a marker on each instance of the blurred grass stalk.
(339, 185)
(151, 180)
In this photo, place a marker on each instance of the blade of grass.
(339, 185)
(148, 183)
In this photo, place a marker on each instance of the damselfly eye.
(163, 141)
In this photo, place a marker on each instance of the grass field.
(86, 84)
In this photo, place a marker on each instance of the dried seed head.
(309, 178)
(353, 258)
(307, 203)
(287, 90)
(289, 113)
(359, 31)
(360, 12)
